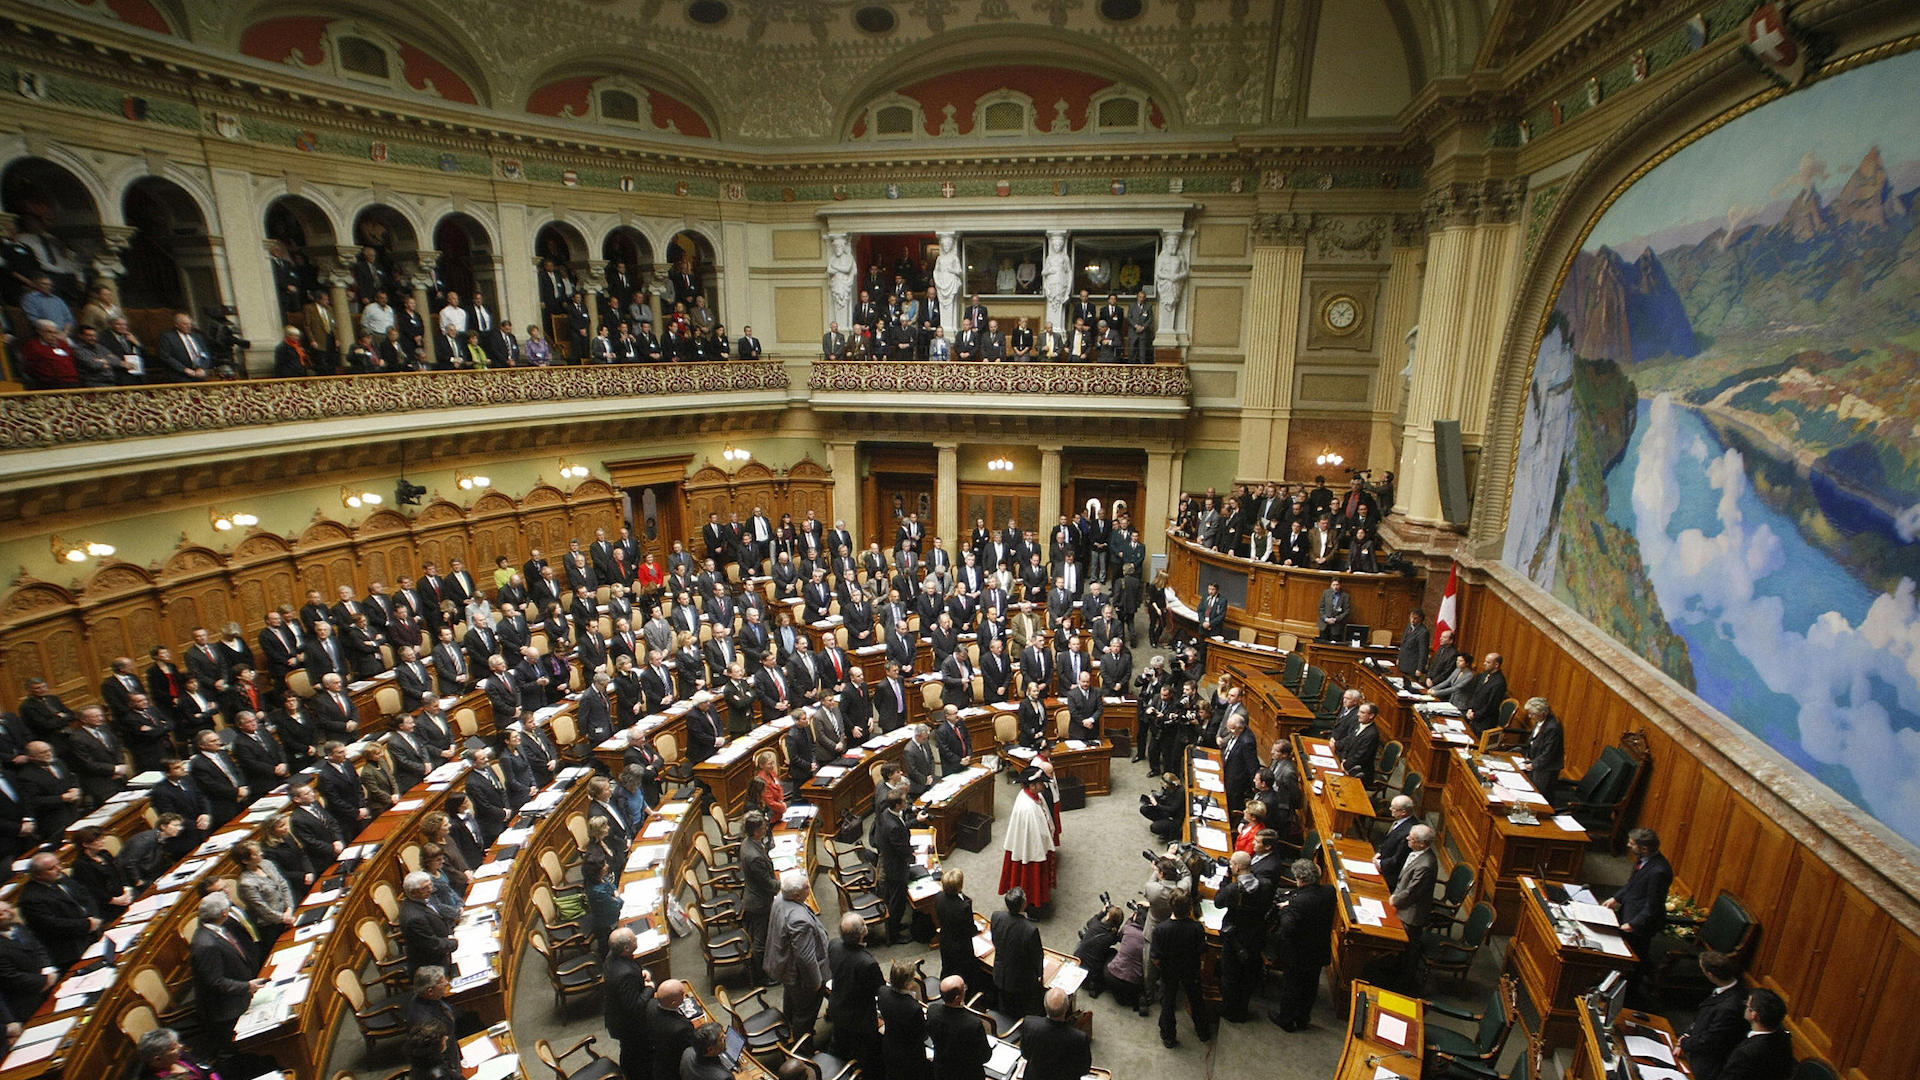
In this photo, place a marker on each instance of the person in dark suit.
(1391, 855)
(1246, 899)
(955, 742)
(25, 978)
(340, 787)
(177, 793)
(426, 934)
(58, 910)
(1767, 1051)
(488, 794)
(1336, 607)
(314, 828)
(219, 778)
(96, 756)
(1054, 1047)
(706, 731)
(1413, 897)
(1018, 956)
(1177, 943)
(629, 989)
(1241, 760)
(959, 1036)
(903, 1041)
(1545, 750)
(893, 844)
(183, 353)
(1306, 933)
(1641, 904)
(853, 1006)
(49, 792)
(669, 1033)
(223, 976)
(262, 760)
(1358, 747)
(1481, 705)
(1720, 1025)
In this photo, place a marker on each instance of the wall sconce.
(79, 553)
(470, 481)
(354, 500)
(1000, 464)
(1328, 457)
(570, 471)
(238, 519)
(736, 455)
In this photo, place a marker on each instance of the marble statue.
(841, 272)
(948, 277)
(1057, 280)
(1169, 278)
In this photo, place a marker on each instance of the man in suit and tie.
(1767, 1051)
(451, 670)
(334, 713)
(1720, 1025)
(1481, 704)
(281, 647)
(58, 910)
(326, 655)
(503, 692)
(96, 755)
(26, 968)
(414, 679)
(426, 934)
(1412, 896)
(219, 778)
(262, 760)
(1641, 904)
(956, 680)
(1336, 606)
(955, 742)
(487, 792)
(340, 787)
(1213, 615)
(223, 977)
(776, 696)
(1392, 853)
(183, 353)
(996, 671)
(1085, 707)
(1241, 760)
(890, 698)
(50, 792)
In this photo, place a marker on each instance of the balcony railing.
(46, 419)
(1091, 387)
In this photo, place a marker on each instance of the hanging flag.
(1449, 616)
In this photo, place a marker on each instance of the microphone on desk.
(1374, 1060)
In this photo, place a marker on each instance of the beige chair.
(676, 767)
(154, 989)
(387, 698)
(930, 697)
(1061, 720)
(538, 639)
(1380, 637)
(564, 935)
(577, 825)
(466, 722)
(136, 1022)
(410, 855)
(973, 653)
(1287, 642)
(840, 632)
(1247, 634)
(603, 594)
(606, 625)
(387, 901)
(1006, 728)
(298, 682)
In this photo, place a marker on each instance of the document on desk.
(1592, 913)
(28, 1053)
(1005, 1056)
(498, 1068)
(1212, 839)
(478, 1051)
(1068, 978)
(1360, 866)
(485, 892)
(1210, 782)
(1391, 1028)
(52, 1029)
(1652, 1049)
(1369, 911)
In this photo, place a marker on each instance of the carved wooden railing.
(1013, 377)
(57, 418)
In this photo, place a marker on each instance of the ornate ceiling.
(803, 71)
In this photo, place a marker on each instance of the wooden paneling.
(126, 610)
(806, 485)
(1844, 963)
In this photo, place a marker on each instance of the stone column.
(594, 283)
(344, 329)
(250, 280)
(1399, 308)
(838, 312)
(1057, 313)
(950, 306)
(1463, 300)
(844, 459)
(1049, 487)
(1266, 386)
(420, 280)
(946, 497)
(1158, 500)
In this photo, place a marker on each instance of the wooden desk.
(1555, 971)
(1342, 662)
(1092, 764)
(1284, 599)
(484, 1046)
(1430, 753)
(1367, 1050)
(1277, 712)
(1338, 804)
(1357, 942)
(726, 773)
(1589, 1061)
(1396, 719)
(670, 721)
(852, 791)
(974, 793)
(1476, 831)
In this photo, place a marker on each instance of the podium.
(1385, 1031)
(1601, 1045)
(1556, 968)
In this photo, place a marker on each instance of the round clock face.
(1342, 314)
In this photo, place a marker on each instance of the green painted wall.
(1208, 468)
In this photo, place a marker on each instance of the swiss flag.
(1449, 616)
(1775, 43)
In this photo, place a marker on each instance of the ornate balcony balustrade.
(1083, 389)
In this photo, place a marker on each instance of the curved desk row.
(1284, 599)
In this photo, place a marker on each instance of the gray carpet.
(1101, 851)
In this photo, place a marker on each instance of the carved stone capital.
(1350, 239)
(1484, 202)
(1282, 230)
(1408, 230)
